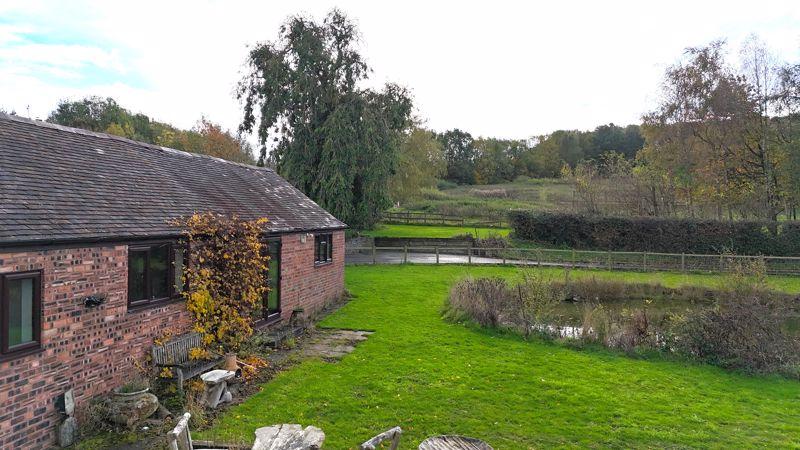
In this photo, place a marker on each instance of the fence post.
(469, 255)
(538, 257)
(405, 254)
(437, 255)
(374, 257)
(721, 264)
(683, 262)
(608, 261)
(644, 258)
(504, 256)
(573, 258)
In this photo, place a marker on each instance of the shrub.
(638, 328)
(658, 234)
(743, 332)
(493, 241)
(225, 275)
(445, 184)
(742, 326)
(480, 299)
(432, 194)
(532, 301)
(596, 323)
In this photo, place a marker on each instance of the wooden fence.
(637, 261)
(426, 218)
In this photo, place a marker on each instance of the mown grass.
(432, 377)
(432, 231)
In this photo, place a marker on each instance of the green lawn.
(432, 231)
(434, 377)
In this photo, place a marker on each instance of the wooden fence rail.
(425, 218)
(638, 261)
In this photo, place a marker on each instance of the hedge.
(647, 234)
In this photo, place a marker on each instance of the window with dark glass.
(20, 312)
(155, 272)
(323, 248)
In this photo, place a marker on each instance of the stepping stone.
(288, 437)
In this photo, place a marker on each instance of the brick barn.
(85, 214)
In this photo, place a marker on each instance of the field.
(432, 377)
(496, 199)
(432, 231)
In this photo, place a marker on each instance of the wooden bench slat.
(175, 353)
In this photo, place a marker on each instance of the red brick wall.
(93, 350)
(304, 284)
(89, 350)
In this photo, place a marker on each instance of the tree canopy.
(334, 140)
(420, 163)
(105, 115)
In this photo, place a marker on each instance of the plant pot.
(230, 362)
(130, 408)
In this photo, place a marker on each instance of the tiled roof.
(66, 184)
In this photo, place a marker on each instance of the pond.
(569, 314)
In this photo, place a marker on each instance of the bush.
(593, 289)
(226, 276)
(596, 323)
(745, 327)
(743, 332)
(491, 245)
(432, 194)
(445, 184)
(480, 299)
(532, 301)
(658, 234)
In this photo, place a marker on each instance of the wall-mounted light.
(93, 301)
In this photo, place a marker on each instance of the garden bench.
(174, 354)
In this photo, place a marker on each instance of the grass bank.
(433, 377)
(496, 199)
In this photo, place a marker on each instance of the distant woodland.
(723, 141)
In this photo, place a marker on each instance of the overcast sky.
(493, 68)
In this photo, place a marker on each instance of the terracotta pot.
(230, 362)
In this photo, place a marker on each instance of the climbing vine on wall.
(226, 276)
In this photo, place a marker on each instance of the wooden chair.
(393, 435)
(180, 438)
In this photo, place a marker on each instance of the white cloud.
(492, 68)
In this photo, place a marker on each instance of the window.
(323, 248)
(20, 312)
(155, 272)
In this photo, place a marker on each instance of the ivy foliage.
(334, 140)
(226, 276)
